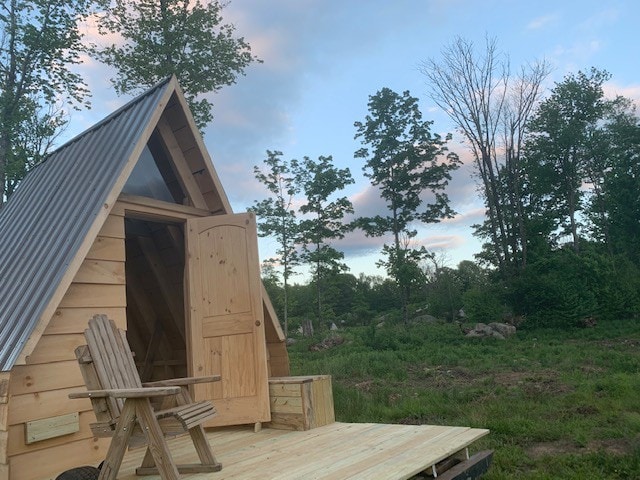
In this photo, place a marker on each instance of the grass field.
(559, 404)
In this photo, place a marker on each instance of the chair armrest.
(181, 382)
(128, 392)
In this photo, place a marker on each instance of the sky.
(322, 59)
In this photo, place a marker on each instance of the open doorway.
(155, 297)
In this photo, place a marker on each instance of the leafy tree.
(565, 145)
(276, 217)
(620, 201)
(490, 107)
(406, 162)
(319, 181)
(174, 37)
(273, 286)
(39, 45)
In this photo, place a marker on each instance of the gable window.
(147, 181)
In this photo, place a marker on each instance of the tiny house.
(128, 219)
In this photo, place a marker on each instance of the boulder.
(494, 329)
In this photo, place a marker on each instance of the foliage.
(563, 288)
(484, 303)
(564, 143)
(40, 44)
(174, 37)
(405, 161)
(615, 212)
(277, 217)
(319, 181)
(558, 403)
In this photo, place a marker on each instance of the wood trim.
(16, 441)
(207, 162)
(151, 209)
(271, 313)
(52, 427)
(180, 167)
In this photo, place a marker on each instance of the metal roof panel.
(44, 223)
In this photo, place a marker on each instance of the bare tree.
(490, 110)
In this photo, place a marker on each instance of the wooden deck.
(337, 451)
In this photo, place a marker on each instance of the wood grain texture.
(32, 406)
(55, 348)
(45, 376)
(76, 319)
(107, 248)
(301, 402)
(96, 296)
(17, 445)
(226, 322)
(336, 451)
(52, 427)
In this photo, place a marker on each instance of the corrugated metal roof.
(46, 220)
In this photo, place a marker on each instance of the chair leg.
(156, 441)
(147, 461)
(199, 438)
(119, 442)
(203, 448)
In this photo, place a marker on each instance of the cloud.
(602, 19)
(466, 218)
(441, 242)
(543, 21)
(611, 90)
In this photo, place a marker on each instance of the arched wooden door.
(225, 326)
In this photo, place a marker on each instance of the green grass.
(559, 404)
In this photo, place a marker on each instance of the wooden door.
(225, 324)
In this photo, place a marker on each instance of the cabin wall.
(4, 406)
(39, 390)
(277, 354)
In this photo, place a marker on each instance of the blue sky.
(322, 59)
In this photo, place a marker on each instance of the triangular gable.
(49, 224)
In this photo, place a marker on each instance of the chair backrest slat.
(112, 357)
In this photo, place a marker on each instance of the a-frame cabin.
(128, 219)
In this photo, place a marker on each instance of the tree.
(491, 111)
(174, 37)
(614, 207)
(406, 162)
(40, 43)
(276, 217)
(319, 181)
(565, 141)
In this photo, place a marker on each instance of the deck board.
(337, 451)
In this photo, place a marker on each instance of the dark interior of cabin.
(155, 298)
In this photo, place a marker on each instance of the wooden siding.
(301, 403)
(4, 425)
(40, 389)
(277, 354)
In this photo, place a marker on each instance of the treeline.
(558, 170)
(305, 213)
(559, 173)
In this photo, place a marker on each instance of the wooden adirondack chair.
(124, 406)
